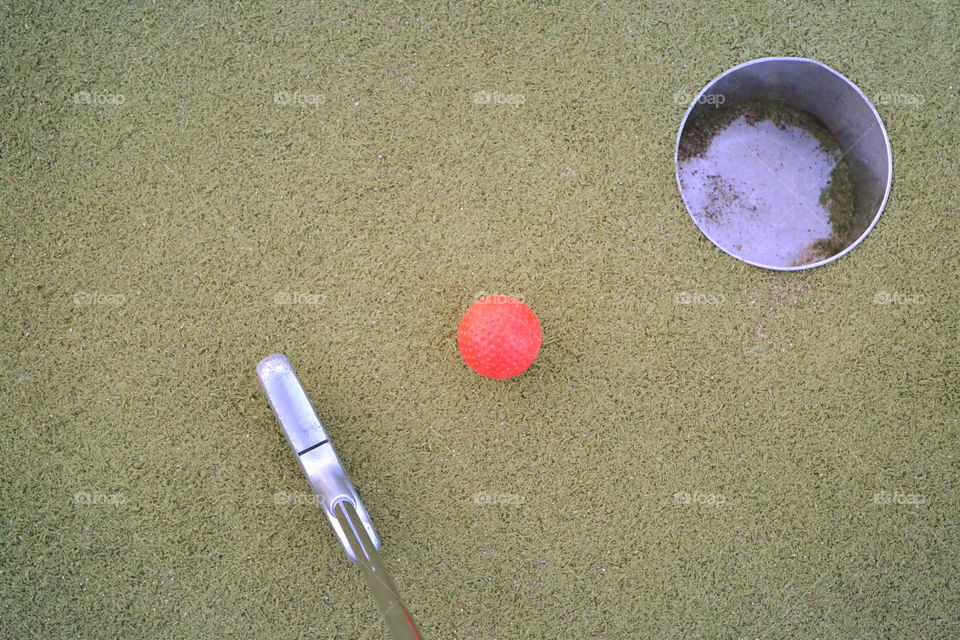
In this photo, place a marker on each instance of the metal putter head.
(313, 449)
(329, 480)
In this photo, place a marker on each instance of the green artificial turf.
(703, 449)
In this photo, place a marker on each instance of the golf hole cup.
(783, 163)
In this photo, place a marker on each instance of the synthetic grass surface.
(702, 450)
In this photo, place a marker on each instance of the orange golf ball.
(499, 337)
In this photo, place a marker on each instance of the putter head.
(313, 449)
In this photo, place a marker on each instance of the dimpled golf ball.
(499, 337)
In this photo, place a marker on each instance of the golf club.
(332, 486)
